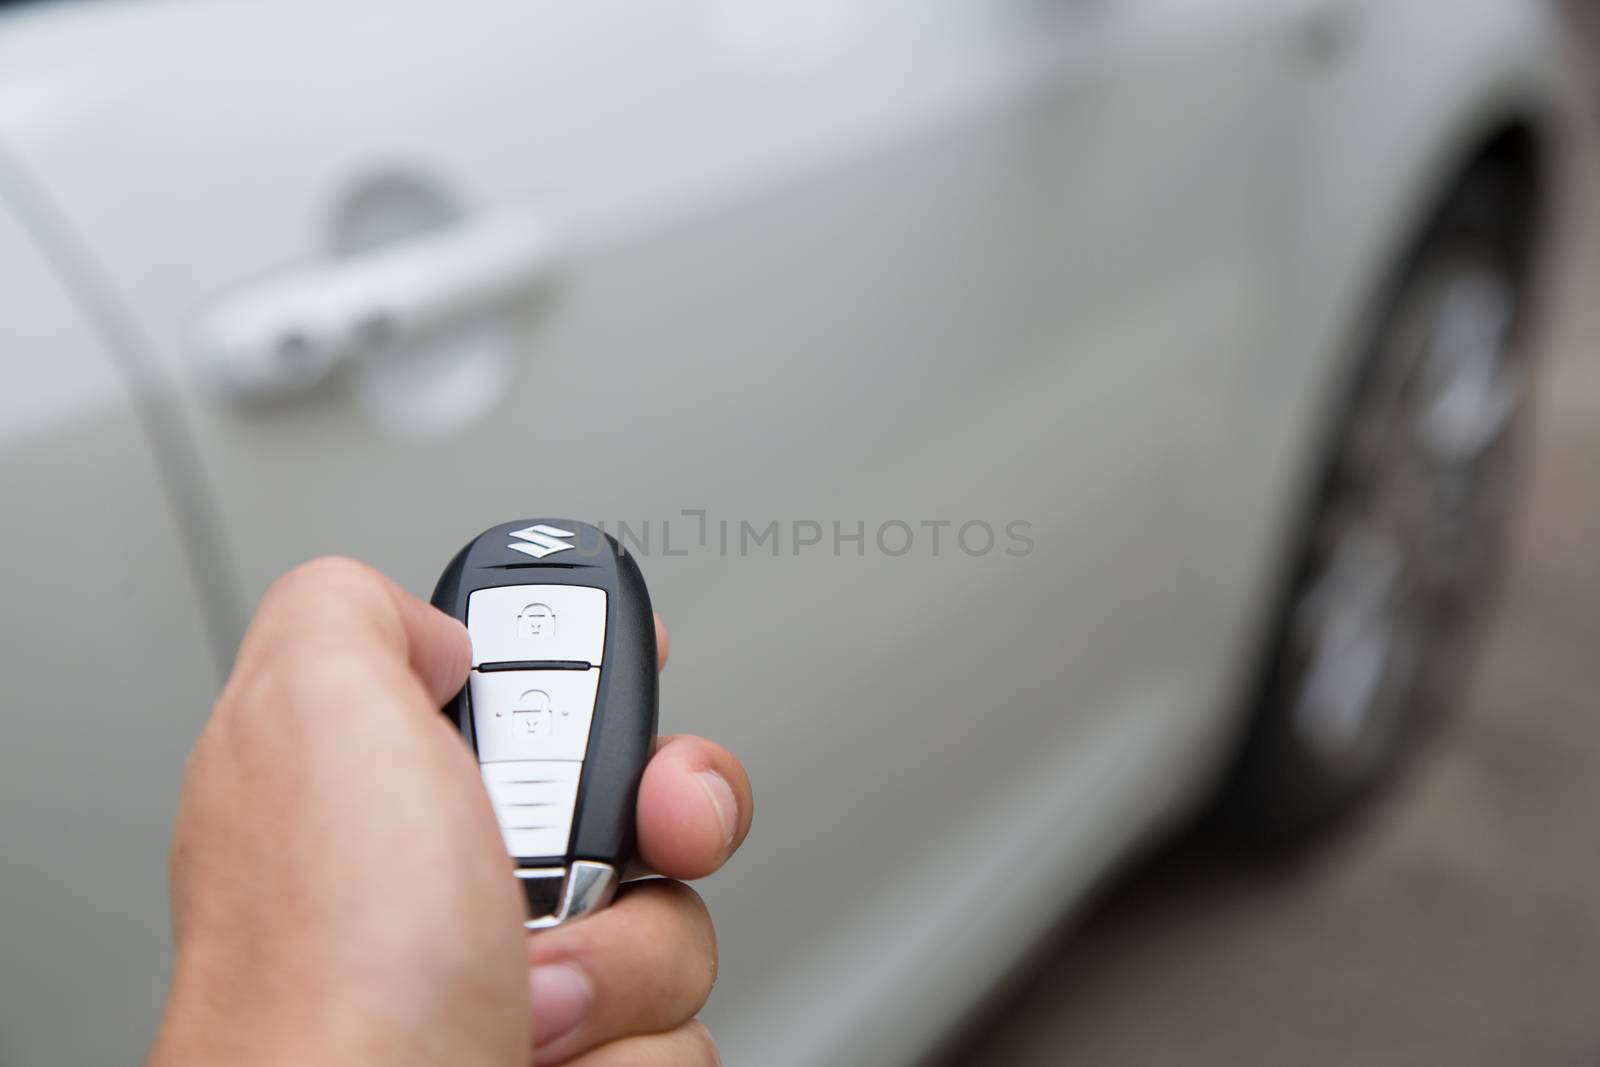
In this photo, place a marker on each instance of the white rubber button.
(537, 622)
(534, 801)
(526, 715)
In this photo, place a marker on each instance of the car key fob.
(560, 705)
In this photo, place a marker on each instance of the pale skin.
(340, 891)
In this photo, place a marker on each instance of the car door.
(108, 673)
(905, 339)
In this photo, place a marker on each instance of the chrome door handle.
(289, 332)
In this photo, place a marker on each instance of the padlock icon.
(536, 620)
(534, 715)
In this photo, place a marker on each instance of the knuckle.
(695, 953)
(704, 1046)
(325, 572)
(690, 913)
(310, 618)
(664, 930)
(682, 895)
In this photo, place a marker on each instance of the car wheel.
(1403, 531)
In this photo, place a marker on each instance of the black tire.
(1307, 761)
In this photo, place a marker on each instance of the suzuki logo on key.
(546, 540)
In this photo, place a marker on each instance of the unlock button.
(535, 715)
(527, 715)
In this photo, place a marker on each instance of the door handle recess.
(286, 333)
(1326, 32)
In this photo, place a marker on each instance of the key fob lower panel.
(561, 703)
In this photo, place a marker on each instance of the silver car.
(1028, 415)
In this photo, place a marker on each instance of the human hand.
(340, 891)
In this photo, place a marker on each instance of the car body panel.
(108, 677)
(842, 263)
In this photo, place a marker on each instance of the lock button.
(536, 621)
(518, 623)
(532, 715)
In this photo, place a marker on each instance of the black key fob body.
(560, 705)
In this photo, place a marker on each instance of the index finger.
(344, 607)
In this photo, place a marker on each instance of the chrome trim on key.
(586, 886)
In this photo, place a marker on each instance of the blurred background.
(1119, 472)
(1456, 923)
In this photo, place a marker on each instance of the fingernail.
(721, 794)
(561, 995)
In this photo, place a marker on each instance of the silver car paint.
(1088, 266)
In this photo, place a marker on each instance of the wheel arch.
(1522, 143)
